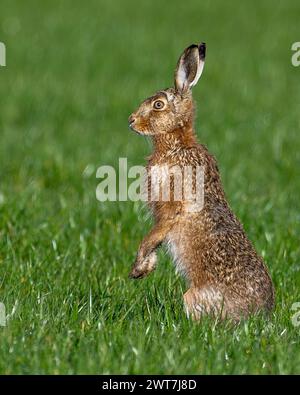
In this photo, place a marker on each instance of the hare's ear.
(189, 67)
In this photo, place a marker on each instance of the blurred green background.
(75, 71)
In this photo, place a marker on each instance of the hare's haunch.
(226, 276)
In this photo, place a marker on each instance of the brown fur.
(210, 248)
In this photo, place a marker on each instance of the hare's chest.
(164, 183)
(159, 179)
(175, 244)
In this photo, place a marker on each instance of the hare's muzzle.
(131, 120)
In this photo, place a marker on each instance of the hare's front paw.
(142, 268)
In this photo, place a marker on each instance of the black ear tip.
(202, 50)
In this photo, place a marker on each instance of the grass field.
(74, 73)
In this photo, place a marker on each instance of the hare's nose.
(131, 119)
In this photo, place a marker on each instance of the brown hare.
(226, 276)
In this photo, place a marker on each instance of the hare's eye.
(158, 104)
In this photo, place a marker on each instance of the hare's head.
(172, 108)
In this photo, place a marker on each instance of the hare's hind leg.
(205, 300)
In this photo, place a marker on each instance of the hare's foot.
(206, 300)
(142, 268)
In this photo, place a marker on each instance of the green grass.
(74, 73)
